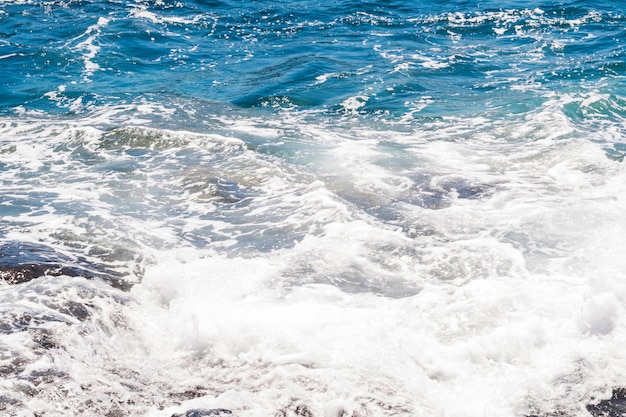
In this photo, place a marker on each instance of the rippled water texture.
(298, 209)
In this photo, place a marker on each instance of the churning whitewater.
(347, 209)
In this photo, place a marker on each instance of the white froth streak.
(88, 47)
(140, 11)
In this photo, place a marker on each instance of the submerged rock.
(613, 407)
(204, 412)
(22, 262)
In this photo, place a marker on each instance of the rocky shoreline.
(21, 262)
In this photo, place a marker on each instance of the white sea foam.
(139, 10)
(87, 45)
(461, 267)
(352, 104)
(460, 349)
(321, 79)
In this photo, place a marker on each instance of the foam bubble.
(456, 266)
(352, 104)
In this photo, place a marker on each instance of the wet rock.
(303, 410)
(189, 394)
(295, 409)
(209, 188)
(439, 193)
(22, 262)
(44, 339)
(45, 376)
(613, 407)
(26, 388)
(204, 412)
(77, 310)
(11, 366)
(13, 322)
(6, 402)
(549, 414)
(115, 412)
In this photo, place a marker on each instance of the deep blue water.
(297, 208)
(462, 56)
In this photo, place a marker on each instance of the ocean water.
(320, 209)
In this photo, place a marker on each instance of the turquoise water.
(501, 58)
(318, 209)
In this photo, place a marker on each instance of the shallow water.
(348, 209)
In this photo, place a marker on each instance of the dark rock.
(204, 412)
(12, 366)
(294, 409)
(74, 309)
(26, 388)
(44, 376)
(6, 402)
(44, 339)
(115, 412)
(208, 188)
(22, 262)
(303, 410)
(18, 322)
(549, 414)
(613, 407)
(189, 394)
